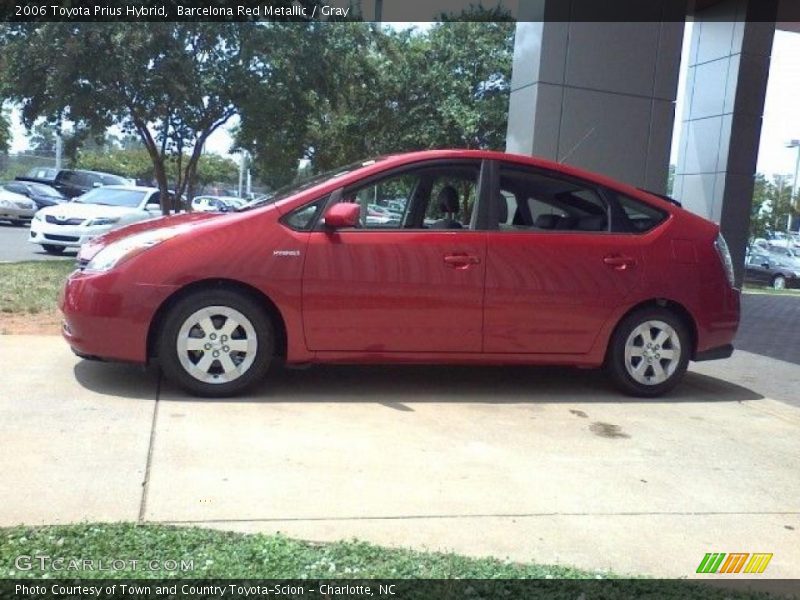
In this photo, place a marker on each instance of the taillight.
(725, 257)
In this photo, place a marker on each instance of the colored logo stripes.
(736, 562)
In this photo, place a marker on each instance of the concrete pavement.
(545, 465)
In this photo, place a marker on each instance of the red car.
(497, 259)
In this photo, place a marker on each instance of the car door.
(406, 285)
(555, 271)
(757, 267)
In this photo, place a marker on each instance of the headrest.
(448, 199)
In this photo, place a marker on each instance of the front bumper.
(106, 316)
(68, 236)
(15, 213)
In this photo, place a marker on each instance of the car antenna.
(578, 145)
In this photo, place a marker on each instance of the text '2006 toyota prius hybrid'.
(428, 257)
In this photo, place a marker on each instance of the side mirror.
(342, 214)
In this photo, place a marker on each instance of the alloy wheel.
(652, 352)
(217, 344)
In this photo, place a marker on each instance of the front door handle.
(620, 262)
(461, 261)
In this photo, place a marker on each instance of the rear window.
(640, 217)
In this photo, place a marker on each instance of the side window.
(428, 197)
(385, 204)
(302, 219)
(70, 177)
(532, 200)
(641, 217)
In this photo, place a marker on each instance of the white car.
(71, 224)
(15, 207)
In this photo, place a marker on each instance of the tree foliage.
(171, 84)
(772, 208)
(358, 90)
(5, 130)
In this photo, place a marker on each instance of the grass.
(32, 287)
(759, 289)
(216, 555)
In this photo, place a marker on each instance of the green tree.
(356, 90)
(5, 130)
(171, 84)
(135, 163)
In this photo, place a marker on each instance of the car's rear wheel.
(50, 249)
(779, 282)
(649, 352)
(216, 343)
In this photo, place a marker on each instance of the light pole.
(795, 144)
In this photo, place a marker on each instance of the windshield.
(306, 183)
(109, 197)
(46, 190)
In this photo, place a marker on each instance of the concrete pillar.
(598, 95)
(725, 89)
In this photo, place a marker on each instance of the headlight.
(102, 221)
(725, 257)
(5, 203)
(128, 247)
(37, 217)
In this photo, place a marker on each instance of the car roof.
(399, 159)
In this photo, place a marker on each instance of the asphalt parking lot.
(545, 465)
(14, 246)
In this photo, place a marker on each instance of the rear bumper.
(714, 353)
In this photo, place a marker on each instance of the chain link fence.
(15, 165)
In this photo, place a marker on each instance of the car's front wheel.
(216, 343)
(649, 352)
(50, 249)
(779, 282)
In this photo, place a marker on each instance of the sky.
(781, 114)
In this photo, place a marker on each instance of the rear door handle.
(620, 262)
(461, 261)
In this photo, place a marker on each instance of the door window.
(434, 197)
(534, 201)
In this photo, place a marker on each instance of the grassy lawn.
(762, 289)
(224, 555)
(32, 287)
(235, 555)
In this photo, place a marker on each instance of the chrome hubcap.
(217, 344)
(779, 283)
(652, 352)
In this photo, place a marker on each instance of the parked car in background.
(75, 182)
(42, 173)
(777, 267)
(41, 194)
(211, 204)
(71, 224)
(16, 208)
(524, 261)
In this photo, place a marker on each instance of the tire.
(779, 282)
(645, 371)
(50, 249)
(215, 369)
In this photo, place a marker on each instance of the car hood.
(91, 248)
(72, 210)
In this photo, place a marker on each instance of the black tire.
(778, 282)
(616, 361)
(168, 354)
(50, 249)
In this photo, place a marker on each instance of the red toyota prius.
(428, 257)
